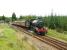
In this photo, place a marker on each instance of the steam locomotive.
(35, 25)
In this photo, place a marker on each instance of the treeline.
(13, 18)
(56, 22)
(4, 19)
(53, 22)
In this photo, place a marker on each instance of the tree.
(3, 18)
(21, 17)
(0, 17)
(14, 17)
(51, 21)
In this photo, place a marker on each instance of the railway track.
(46, 39)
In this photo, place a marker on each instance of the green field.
(54, 33)
(8, 40)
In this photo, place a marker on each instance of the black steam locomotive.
(36, 25)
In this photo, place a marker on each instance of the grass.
(8, 40)
(57, 35)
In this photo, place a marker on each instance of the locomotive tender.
(35, 25)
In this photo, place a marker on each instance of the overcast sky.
(33, 7)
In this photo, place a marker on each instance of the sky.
(33, 7)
